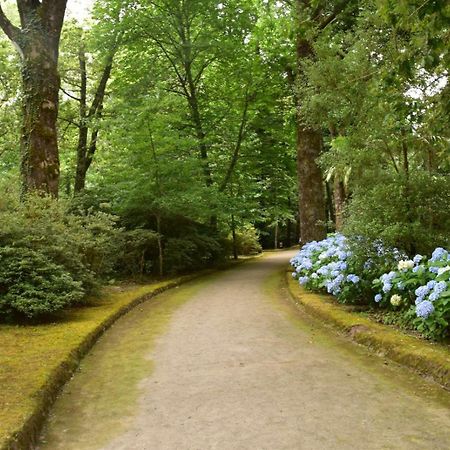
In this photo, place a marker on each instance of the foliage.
(247, 241)
(138, 244)
(193, 251)
(31, 284)
(57, 254)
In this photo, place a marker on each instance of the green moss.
(36, 360)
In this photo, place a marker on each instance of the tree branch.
(10, 30)
(237, 147)
(69, 94)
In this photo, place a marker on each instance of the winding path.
(228, 363)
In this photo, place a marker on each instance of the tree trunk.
(312, 207)
(276, 236)
(339, 201)
(39, 141)
(233, 232)
(160, 247)
(85, 152)
(38, 44)
(80, 175)
(329, 212)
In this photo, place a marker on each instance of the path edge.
(430, 360)
(26, 436)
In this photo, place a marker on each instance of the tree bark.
(312, 208)
(233, 232)
(37, 41)
(339, 201)
(275, 241)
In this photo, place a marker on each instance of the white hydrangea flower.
(396, 300)
(442, 270)
(405, 264)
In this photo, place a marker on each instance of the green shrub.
(247, 241)
(140, 250)
(193, 252)
(31, 284)
(413, 218)
(71, 248)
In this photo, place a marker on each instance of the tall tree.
(37, 41)
(309, 146)
(90, 116)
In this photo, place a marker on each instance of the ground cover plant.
(418, 289)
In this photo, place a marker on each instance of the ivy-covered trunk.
(37, 41)
(312, 208)
(39, 143)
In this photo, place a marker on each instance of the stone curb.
(428, 359)
(26, 436)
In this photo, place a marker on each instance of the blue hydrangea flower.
(417, 259)
(353, 278)
(439, 254)
(303, 280)
(422, 291)
(387, 287)
(431, 284)
(433, 269)
(434, 296)
(440, 287)
(424, 309)
(378, 298)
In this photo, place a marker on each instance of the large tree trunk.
(39, 142)
(312, 208)
(38, 44)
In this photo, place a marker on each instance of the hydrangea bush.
(419, 288)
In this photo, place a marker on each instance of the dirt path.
(228, 363)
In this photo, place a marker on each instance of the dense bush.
(31, 284)
(140, 252)
(247, 241)
(359, 272)
(195, 251)
(410, 216)
(52, 256)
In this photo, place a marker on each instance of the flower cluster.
(324, 265)
(418, 287)
(422, 285)
(427, 279)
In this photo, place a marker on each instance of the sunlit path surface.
(228, 363)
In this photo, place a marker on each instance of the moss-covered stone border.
(431, 360)
(26, 435)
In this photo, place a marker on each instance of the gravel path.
(228, 363)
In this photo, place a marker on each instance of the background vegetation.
(189, 131)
